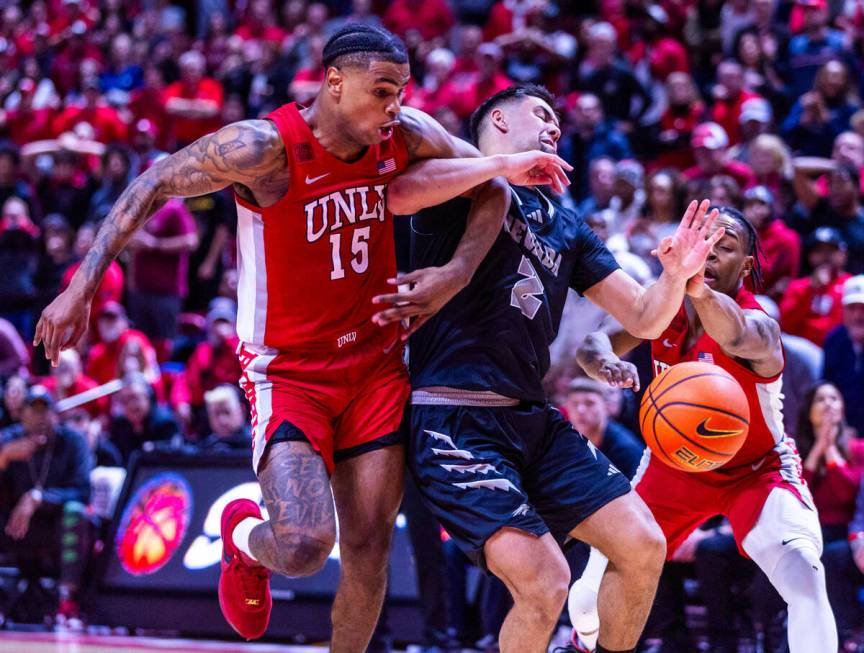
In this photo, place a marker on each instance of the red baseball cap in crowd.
(709, 135)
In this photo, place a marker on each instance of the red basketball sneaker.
(244, 586)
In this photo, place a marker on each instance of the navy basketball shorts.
(480, 469)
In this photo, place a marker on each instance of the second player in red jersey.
(760, 490)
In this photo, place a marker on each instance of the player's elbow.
(645, 331)
(400, 198)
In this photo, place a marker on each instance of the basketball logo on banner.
(154, 523)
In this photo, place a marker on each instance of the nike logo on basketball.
(312, 180)
(785, 542)
(668, 344)
(703, 430)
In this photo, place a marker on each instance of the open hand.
(62, 324)
(427, 291)
(536, 168)
(683, 254)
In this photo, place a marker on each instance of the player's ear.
(499, 121)
(748, 267)
(334, 80)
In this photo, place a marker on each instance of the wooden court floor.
(22, 642)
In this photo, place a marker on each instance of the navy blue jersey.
(495, 334)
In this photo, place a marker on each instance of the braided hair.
(360, 44)
(752, 246)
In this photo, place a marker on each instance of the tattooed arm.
(431, 288)
(743, 333)
(248, 154)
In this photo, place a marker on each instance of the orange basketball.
(694, 416)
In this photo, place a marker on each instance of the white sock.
(582, 600)
(240, 536)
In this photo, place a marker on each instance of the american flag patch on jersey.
(388, 165)
(706, 357)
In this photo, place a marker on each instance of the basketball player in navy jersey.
(504, 472)
(760, 489)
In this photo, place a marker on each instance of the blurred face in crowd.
(842, 189)
(832, 80)
(111, 326)
(587, 411)
(710, 161)
(135, 401)
(680, 88)
(15, 213)
(827, 255)
(588, 112)
(192, 69)
(722, 193)
(68, 368)
(763, 158)
(38, 419)
(14, 394)
(601, 46)
(84, 240)
(827, 406)
(731, 76)
(78, 420)
(225, 417)
(7, 168)
(758, 213)
(117, 170)
(728, 262)
(316, 17)
(763, 10)
(601, 178)
(849, 148)
(368, 98)
(815, 18)
(470, 38)
(749, 50)
(853, 319)
(220, 332)
(624, 190)
(661, 191)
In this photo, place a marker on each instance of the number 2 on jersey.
(359, 251)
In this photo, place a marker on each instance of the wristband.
(36, 495)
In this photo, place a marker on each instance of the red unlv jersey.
(763, 393)
(310, 264)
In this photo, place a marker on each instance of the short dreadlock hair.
(359, 45)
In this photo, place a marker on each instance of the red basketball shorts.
(682, 501)
(344, 398)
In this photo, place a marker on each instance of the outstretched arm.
(747, 334)
(646, 313)
(432, 288)
(248, 153)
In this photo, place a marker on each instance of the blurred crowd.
(751, 103)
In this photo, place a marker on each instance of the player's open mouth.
(386, 131)
(710, 277)
(548, 142)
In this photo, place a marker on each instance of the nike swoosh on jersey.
(668, 344)
(792, 539)
(312, 180)
(703, 430)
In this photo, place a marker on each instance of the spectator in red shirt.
(440, 64)
(730, 95)
(214, 362)
(469, 39)
(677, 123)
(112, 327)
(110, 290)
(260, 24)
(710, 147)
(431, 18)
(68, 379)
(195, 101)
(464, 93)
(66, 66)
(833, 468)
(811, 306)
(25, 123)
(107, 125)
(781, 246)
(159, 278)
(146, 103)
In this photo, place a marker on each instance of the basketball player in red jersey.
(760, 489)
(326, 384)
